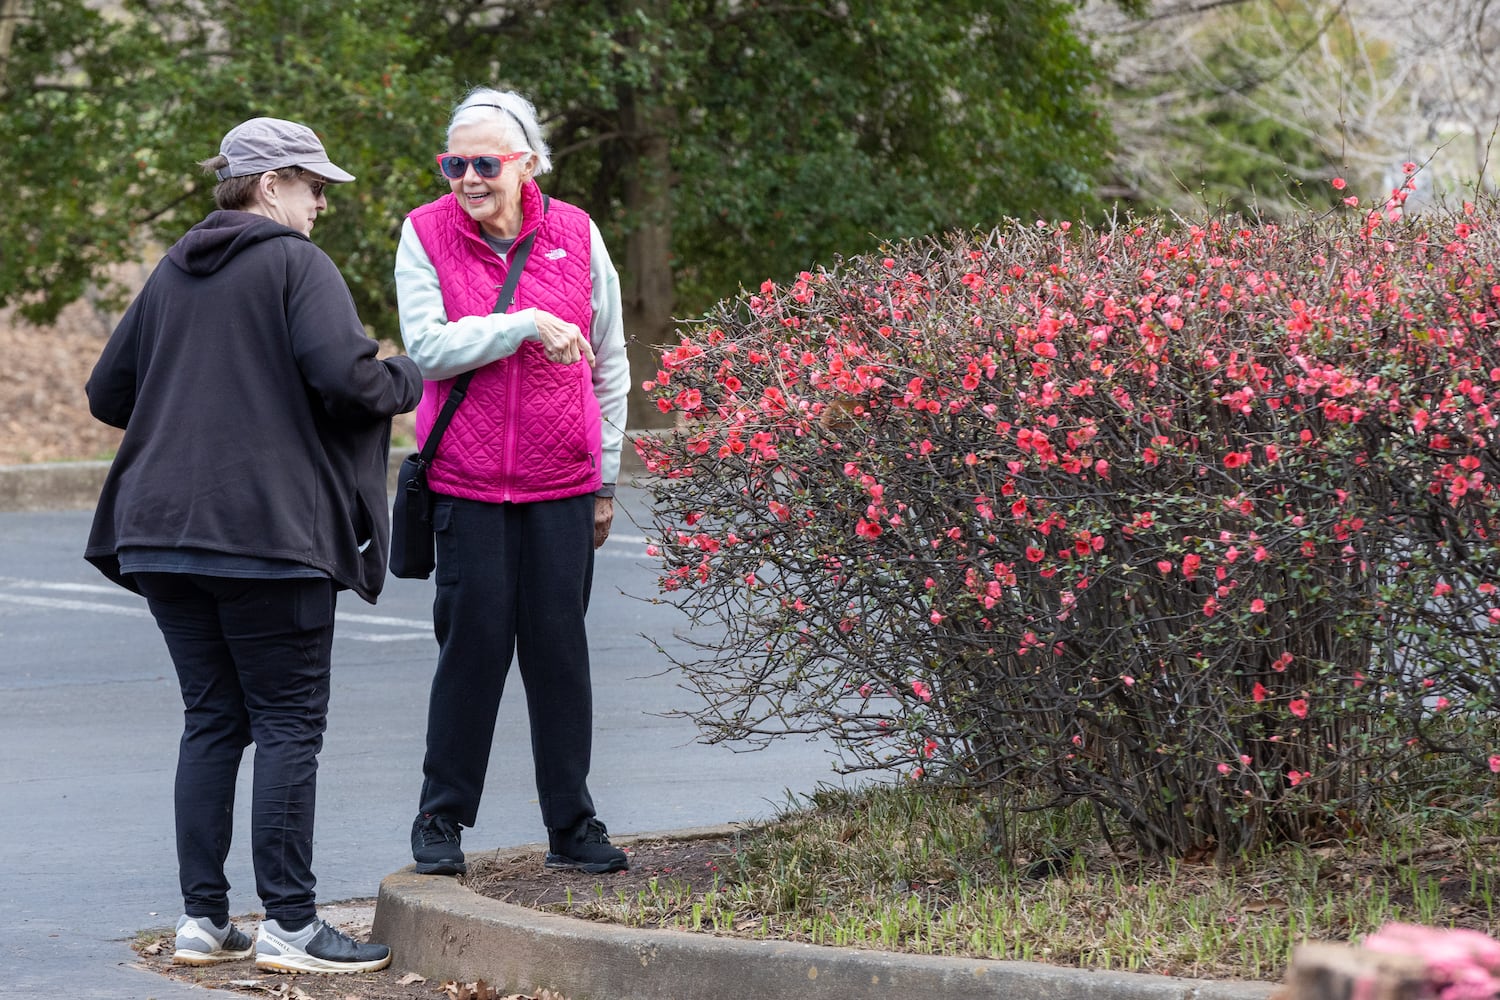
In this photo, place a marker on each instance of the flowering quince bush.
(1195, 523)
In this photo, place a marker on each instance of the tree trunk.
(646, 277)
(10, 13)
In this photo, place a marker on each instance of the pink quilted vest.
(528, 429)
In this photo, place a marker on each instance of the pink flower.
(1224, 769)
(1495, 763)
(1298, 707)
(1258, 693)
(1338, 183)
(1297, 777)
(921, 690)
(1258, 606)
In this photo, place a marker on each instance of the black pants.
(253, 661)
(513, 579)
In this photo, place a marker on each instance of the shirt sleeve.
(111, 387)
(611, 364)
(440, 348)
(336, 357)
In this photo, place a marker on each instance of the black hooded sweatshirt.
(256, 414)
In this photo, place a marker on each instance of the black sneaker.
(585, 848)
(315, 948)
(434, 846)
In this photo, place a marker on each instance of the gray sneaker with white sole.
(316, 948)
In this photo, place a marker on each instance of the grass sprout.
(899, 869)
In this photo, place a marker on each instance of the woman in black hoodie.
(249, 488)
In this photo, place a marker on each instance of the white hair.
(511, 114)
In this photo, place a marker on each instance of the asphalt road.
(90, 716)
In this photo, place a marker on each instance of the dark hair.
(235, 194)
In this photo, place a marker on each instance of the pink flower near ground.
(1462, 964)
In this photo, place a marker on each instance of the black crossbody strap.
(461, 384)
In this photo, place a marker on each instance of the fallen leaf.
(1264, 905)
(409, 978)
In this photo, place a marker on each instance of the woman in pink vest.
(524, 474)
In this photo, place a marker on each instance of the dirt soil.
(44, 415)
(518, 879)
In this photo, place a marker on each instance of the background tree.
(107, 111)
(716, 141)
(1239, 104)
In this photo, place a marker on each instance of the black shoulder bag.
(413, 546)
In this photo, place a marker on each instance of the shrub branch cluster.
(1195, 523)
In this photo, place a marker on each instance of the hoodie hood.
(221, 236)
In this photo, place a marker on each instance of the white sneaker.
(202, 942)
(315, 948)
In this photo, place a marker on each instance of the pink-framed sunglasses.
(487, 166)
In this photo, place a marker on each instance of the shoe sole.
(316, 966)
(560, 863)
(441, 868)
(212, 958)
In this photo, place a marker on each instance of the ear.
(265, 188)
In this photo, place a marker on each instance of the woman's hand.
(604, 516)
(563, 341)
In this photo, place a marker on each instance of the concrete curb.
(51, 486)
(444, 931)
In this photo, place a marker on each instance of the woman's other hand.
(563, 341)
(604, 517)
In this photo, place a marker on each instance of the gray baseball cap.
(262, 144)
